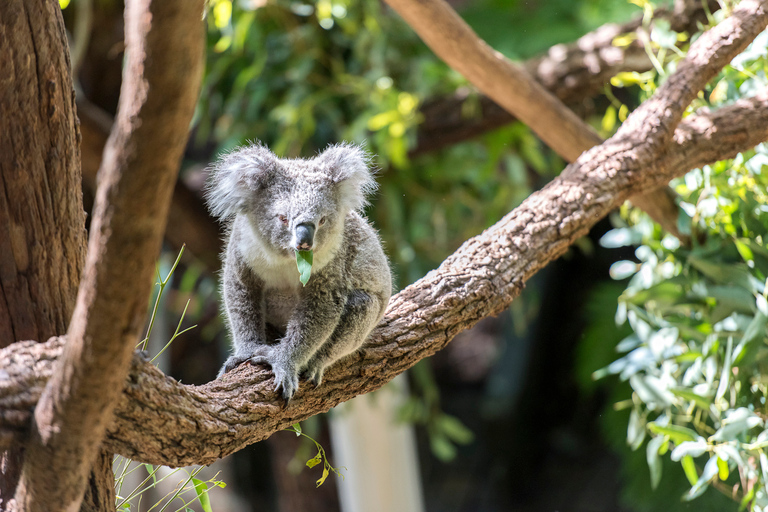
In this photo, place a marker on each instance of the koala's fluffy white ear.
(236, 176)
(349, 166)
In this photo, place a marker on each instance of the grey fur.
(272, 318)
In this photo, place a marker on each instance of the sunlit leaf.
(201, 489)
(689, 467)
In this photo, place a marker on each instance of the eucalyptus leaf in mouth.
(304, 264)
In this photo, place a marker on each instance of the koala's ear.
(236, 176)
(349, 167)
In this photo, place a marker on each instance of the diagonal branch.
(572, 72)
(510, 85)
(161, 80)
(159, 420)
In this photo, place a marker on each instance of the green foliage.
(161, 284)
(302, 75)
(188, 490)
(698, 314)
(319, 458)
(522, 29)
(445, 432)
(698, 351)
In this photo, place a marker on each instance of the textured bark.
(161, 421)
(100, 491)
(160, 86)
(571, 72)
(41, 207)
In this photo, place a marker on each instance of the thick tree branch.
(188, 220)
(504, 81)
(160, 85)
(159, 420)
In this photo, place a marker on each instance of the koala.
(272, 208)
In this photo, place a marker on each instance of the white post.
(379, 453)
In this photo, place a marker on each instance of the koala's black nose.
(305, 235)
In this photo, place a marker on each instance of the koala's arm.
(243, 293)
(311, 325)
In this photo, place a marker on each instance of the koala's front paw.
(314, 372)
(287, 378)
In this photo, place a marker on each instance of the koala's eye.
(322, 221)
(283, 219)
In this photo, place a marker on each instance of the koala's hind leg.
(360, 316)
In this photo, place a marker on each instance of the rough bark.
(159, 420)
(41, 205)
(41, 212)
(160, 86)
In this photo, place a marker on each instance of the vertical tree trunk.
(41, 206)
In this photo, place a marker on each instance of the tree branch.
(161, 421)
(571, 72)
(513, 88)
(160, 86)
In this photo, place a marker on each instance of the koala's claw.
(287, 379)
(314, 374)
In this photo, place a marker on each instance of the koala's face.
(299, 209)
(291, 204)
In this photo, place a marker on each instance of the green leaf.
(635, 429)
(202, 494)
(314, 461)
(322, 478)
(699, 400)
(689, 467)
(676, 433)
(455, 429)
(747, 499)
(304, 264)
(654, 461)
(442, 448)
(722, 469)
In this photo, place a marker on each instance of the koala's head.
(292, 204)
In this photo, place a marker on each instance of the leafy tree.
(93, 396)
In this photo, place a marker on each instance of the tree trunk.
(161, 77)
(41, 205)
